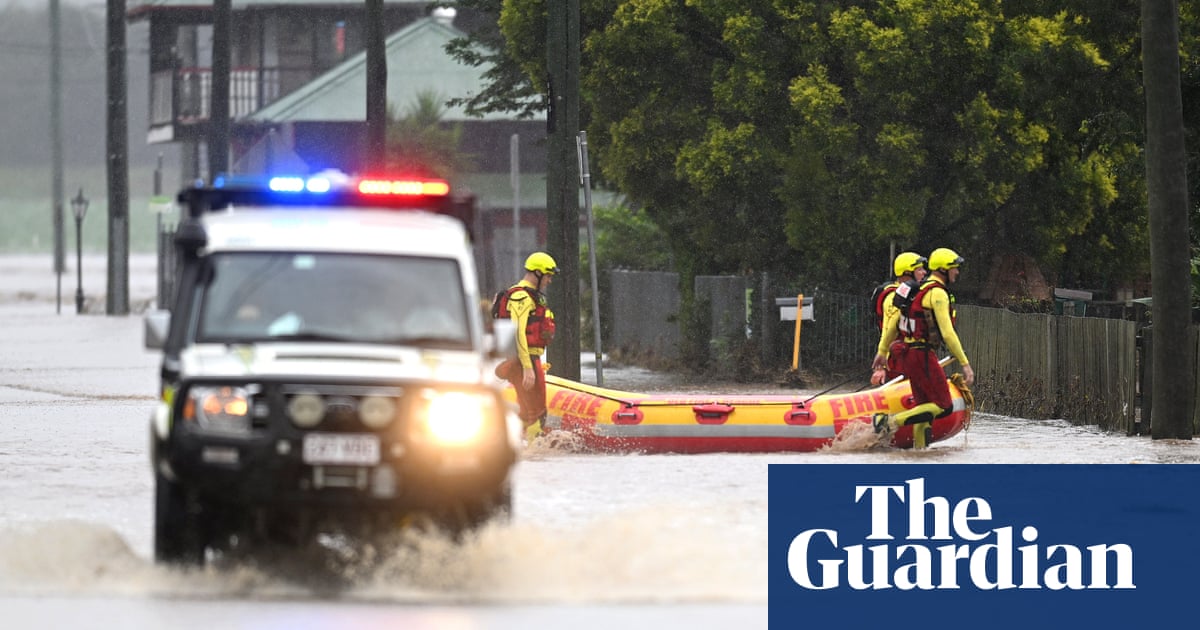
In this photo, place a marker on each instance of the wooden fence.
(1030, 365)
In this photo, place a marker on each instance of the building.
(298, 100)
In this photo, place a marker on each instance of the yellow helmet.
(540, 263)
(942, 259)
(908, 262)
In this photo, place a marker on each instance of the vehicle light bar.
(433, 187)
(335, 184)
(328, 189)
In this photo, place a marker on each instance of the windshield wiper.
(426, 340)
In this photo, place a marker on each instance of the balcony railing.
(182, 96)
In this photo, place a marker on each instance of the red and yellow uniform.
(928, 326)
(535, 329)
(925, 319)
(525, 304)
(909, 268)
(886, 309)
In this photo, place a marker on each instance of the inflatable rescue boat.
(611, 420)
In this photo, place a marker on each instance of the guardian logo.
(1032, 545)
(927, 563)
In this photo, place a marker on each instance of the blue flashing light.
(292, 184)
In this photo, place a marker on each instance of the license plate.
(341, 448)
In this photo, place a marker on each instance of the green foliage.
(805, 137)
(509, 87)
(419, 143)
(626, 238)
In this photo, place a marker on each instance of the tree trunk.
(1166, 186)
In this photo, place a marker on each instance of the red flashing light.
(404, 187)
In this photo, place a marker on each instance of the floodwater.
(597, 540)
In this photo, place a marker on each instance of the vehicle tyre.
(178, 538)
(475, 514)
(501, 508)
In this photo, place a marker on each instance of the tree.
(849, 127)
(418, 142)
(509, 86)
(932, 123)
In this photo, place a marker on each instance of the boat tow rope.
(829, 389)
(968, 398)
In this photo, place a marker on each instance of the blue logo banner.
(982, 546)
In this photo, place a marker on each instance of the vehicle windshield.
(355, 298)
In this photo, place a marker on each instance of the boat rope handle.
(629, 404)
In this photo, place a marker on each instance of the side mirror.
(501, 343)
(155, 326)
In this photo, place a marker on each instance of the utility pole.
(1167, 207)
(56, 141)
(562, 180)
(117, 302)
(218, 109)
(376, 149)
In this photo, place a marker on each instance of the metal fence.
(842, 335)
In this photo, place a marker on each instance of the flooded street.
(597, 540)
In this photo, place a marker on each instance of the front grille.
(342, 405)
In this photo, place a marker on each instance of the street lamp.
(79, 206)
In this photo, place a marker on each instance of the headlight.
(377, 411)
(451, 418)
(222, 409)
(306, 409)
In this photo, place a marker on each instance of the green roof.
(417, 63)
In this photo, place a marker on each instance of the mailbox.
(787, 309)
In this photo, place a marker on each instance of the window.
(334, 297)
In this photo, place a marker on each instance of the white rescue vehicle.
(325, 368)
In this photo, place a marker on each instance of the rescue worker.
(926, 322)
(909, 267)
(525, 304)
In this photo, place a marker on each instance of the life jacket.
(878, 297)
(917, 323)
(539, 326)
